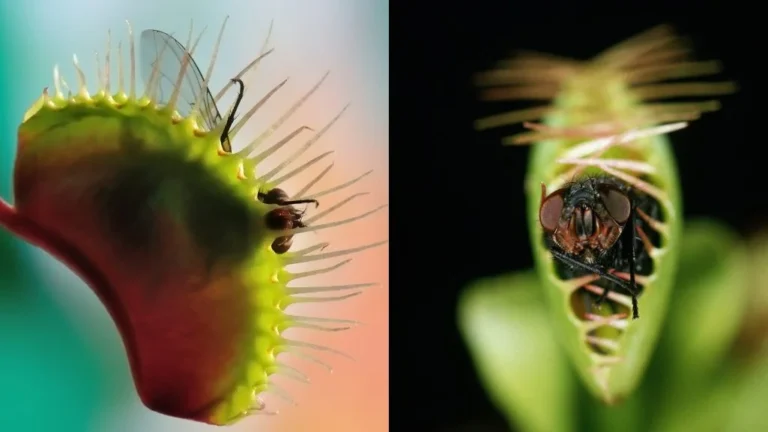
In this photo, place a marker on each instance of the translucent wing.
(160, 46)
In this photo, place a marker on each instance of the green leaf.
(505, 324)
(706, 310)
(749, 399)
(708, 304)
(734, 403)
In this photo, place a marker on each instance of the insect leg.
(602, 297)
(231, 118)
(269, 199)
(632, 258)
(632, 287)
(301, 201)
(590, 268)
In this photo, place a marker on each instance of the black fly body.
(594, 225)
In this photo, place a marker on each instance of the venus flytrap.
(605, 252)
(184, 239)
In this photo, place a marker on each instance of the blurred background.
(463, 204)
(62, 364)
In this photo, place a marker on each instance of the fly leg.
(632, 258)
(278, 197)
(598, 270)
(231, 119)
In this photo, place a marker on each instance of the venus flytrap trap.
(603, 191)
(184, 238)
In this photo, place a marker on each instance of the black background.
(452, 185)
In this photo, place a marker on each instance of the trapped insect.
(592, 225)
(163, 61)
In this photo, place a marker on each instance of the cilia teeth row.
(579, 158)
(297, 294)
(247, 151)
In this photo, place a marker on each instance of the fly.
(592, 226)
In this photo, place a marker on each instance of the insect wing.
(157, 46)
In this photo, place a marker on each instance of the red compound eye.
(551, 209)
(617, 203)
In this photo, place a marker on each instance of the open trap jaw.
(605, 226)
(591, 297)
(619, 102)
